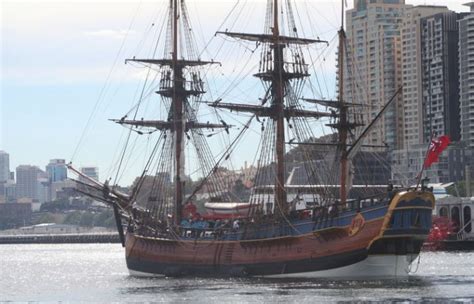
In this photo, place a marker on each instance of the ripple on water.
(97, 272)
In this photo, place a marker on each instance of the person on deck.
(185, 225)
(236, 225)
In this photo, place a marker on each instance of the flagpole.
(423, 164)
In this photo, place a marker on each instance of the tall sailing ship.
(340, 232)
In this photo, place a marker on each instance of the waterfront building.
(4, 166)
(407, 164)
(15, 215)
(374, 48)
(466, 76)
(430, 95)
(56, 170)
(9, 189)
(440, 80)
(412, 72)
(62, 189)
(28, 183)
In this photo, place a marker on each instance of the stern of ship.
(404, 230)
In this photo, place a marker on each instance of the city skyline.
(49, 88)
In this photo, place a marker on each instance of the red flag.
(437, 146)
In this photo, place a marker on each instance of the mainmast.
(177, 109)
(279, 105)
(278, 76)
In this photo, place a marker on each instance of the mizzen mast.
(343, 127)
(343, 124)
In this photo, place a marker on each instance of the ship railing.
(360, 203)
(188, 85)
(189, 232)
(461, 234)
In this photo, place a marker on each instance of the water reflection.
(277, 287)
(97, 273)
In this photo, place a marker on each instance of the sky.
(63, 73)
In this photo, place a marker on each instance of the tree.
(87, 219)
(73, 218)
(55, 206)
(46, 218)
(102, 219)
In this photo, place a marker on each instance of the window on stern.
(416, 219)
(406, 219)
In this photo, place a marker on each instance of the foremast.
(175, 86)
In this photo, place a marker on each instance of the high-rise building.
(412, 73)
(407, 164)
(374, 48)
(440, 80)
(56, 170)
(27, 184)
(10, 191)
(430, 95)
(4, 166)
(466, 76)
(92, 172)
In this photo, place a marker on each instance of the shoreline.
(60, 238)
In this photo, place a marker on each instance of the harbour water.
(97, 273)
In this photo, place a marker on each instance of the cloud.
(114, 34)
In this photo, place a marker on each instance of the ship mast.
(278, 104)
(278, 77)
(177, 109)
(342, 130)
(343, 124)
(179, 82)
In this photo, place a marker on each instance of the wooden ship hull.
(380, 240)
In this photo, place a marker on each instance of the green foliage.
(110, 222)
(55, 206)
(73, 218)
(101, 218)
(87, 219)
(46, 218)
